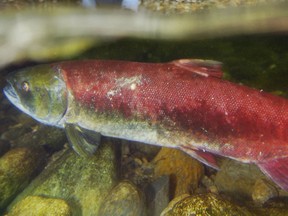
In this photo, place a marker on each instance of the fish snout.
(10, 92)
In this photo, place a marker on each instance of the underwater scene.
(143, 108)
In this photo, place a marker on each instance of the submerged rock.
(185, 172)
(82, 182)
(263, 191)
(204, 204)
(17, 168)
(157, 195)
(37, 205)
(237, 179)
(124, 199)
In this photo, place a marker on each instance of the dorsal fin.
(201, 67)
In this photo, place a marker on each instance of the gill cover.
(40, 92)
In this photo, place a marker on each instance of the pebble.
(124, 199)
(37, 205)
(157, 195)
(204, 204)
(185, 171)
(209, 185)
(17, 168)
(237, 179)
(263, 191)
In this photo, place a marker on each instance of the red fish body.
(182, 104)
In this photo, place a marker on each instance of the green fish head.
(40, 92)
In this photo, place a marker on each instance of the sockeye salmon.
(182, 104)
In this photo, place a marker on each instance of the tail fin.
(277, 170)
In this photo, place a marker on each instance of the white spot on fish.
(203, 129)
(125, 82)
(228, 147)
(133, 86)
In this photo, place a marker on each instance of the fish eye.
(25, 86)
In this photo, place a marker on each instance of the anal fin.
(277, 170)
(84, 142)
(203, 156)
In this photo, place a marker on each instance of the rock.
(173, 202)
(263, 191)
(17, 168)
(157, 195)
(124, 199)
(4, 147)
(237, 179)
(185, 171)
(82, 182)
(203, 204)
(209, 184)
(37, 205)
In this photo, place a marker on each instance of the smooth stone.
(209, 185)
(17, 168)
(204, 204)
(173, 202)
(124, 199)
(263, 191)
(237, 179)
(37, 205)
(157, 195)
(83, 182)
(185, 172)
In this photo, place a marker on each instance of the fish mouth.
(13, 97)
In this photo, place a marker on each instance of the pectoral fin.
(204, 157)
(277, 170)
(84, 142)
(201, 67)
